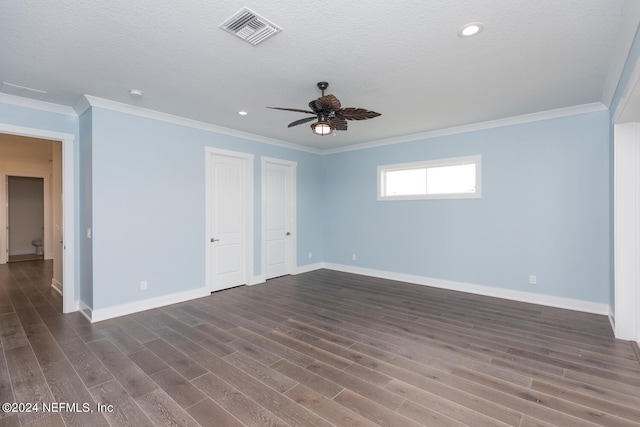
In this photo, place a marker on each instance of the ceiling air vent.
(250, 26)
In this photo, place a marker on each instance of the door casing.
(46, 200)
(291, 248)
(248, 217)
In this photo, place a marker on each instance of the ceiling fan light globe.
(322, 128)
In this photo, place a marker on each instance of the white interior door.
(278, 217)
(228, 215)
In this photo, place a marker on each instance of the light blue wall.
(148, 191)
(544, 210)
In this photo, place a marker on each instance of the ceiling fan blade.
(327, 108)
(292, 109)
(328, 102)
(301, 121)
(338, 123)
(357, 114)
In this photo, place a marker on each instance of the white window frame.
(452, 161)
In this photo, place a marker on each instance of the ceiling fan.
(330, 114)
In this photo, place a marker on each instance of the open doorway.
(20, 159)
(31, 173)
(25, 218)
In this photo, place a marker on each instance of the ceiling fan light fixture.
(322, 128)
(329, 113)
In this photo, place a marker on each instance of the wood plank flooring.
(318, 349)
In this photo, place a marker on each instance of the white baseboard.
(309, 267)
(528, 297)
(135, 307)
(612, 320)
(256, 280)
(75, 306)
(85, 310)
(57, 286)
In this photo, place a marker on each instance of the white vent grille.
(250, 26)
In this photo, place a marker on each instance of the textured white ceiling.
(402, 59)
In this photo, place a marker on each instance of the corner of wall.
(85, 214)
(514, 295)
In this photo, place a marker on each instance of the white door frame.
(69, 300)
(292, 260)
(626, 210)
(627, 230)
(248, 169)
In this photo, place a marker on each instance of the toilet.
(38, 245)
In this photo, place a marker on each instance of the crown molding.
(508, 121)
(82, 105)
(195, 124)
(36, 104)
(88, 101)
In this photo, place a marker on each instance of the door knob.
(214, 240)
(288, 234)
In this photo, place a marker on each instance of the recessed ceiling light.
(242, 113)
(135, 93)
(470, 29)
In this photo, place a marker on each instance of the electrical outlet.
(143, 285)
(533, 280)
(353, 257)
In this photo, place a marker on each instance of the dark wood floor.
(318, 349)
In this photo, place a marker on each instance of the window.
(454, 178)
